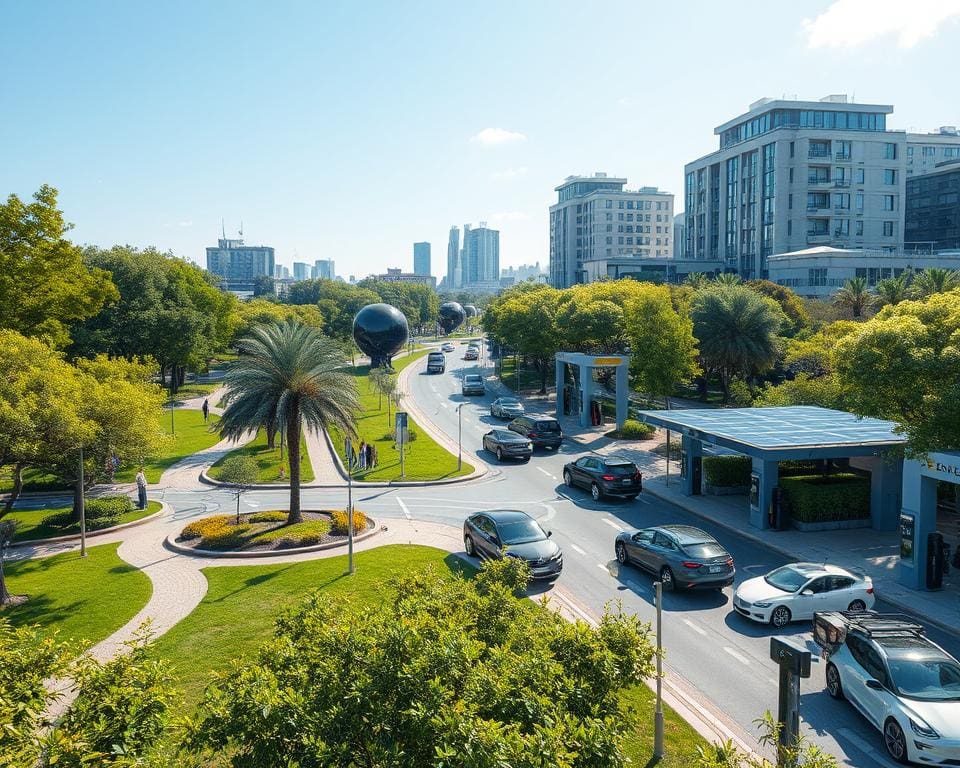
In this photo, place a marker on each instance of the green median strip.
(268, 460)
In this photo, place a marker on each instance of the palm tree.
(697, 280)
(935, 280)
(854, 296)
(291, 374)
(728, 279)
(737, 331)
(891, 290)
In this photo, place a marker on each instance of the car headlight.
(922, 729)
(763, 605)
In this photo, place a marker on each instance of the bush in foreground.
(338, 519)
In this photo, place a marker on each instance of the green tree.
(44, 285)
(804, 390)
(934, 280)
(892, 290)
(337, 301)
(728, 279)
(802, 753)
(292, 375)
(697, 280)
(789, 302)
(260, 311)
(854, 298)
(241, 472)
(737, 331)
(264, 285)
(447, 672)
(7, 529)
(526, 321)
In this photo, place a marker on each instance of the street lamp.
(658, 713)
(83, 511)
(460, 436)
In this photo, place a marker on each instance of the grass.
(266, 528)
(30, 521)
(86, 599)
(191, 434)
(529, 376)
(196, 389)
(680, 740)
(33, 481)
(424, 459)
(268, 460)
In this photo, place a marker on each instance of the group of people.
(367, 458)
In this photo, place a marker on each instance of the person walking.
(363, 455)
(141, 489)
(206, 409)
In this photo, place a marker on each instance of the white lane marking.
(578, 550)
(551, 513)
(443, 404)
(643, 500)
(863, 745)
(694, 627)
(406, 512)
(772, 681)
(738, 656)
(541, 469)
(603, 567)
(636, 586)
(612, 524)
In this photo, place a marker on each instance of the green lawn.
(30, 521)
(423, 458)
(268, 460)
(529, 376)
(33, 480)
(196, 389)
(680, 740)
(191, 434)
(86, 599)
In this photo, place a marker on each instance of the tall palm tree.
(935, 280)
(891, 290)
(697, 280)
(292, 375)
(854, 297)
(728, 279)
(737, 330)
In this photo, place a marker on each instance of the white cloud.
(509, 173)
(510, 216)
(849, 23)
(492, 136)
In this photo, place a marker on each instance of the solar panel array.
(798, 426)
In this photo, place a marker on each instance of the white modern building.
(595, 217)
(323, 269)
(680, 235)
(821, 271)
(452, 278)
(790, 175)
(238, 265)
(421, 258)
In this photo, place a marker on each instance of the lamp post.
(83, 511)
(460, 437)
(349, 452)
(658, 713)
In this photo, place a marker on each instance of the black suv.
(604, 476)
(542, 431)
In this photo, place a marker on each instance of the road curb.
(91, 534)
(897, 602)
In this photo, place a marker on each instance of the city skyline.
(278, 142)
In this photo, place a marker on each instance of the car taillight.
(607, 477)
(869, 590)
(532, 434)
(730, 562)
(691, 564)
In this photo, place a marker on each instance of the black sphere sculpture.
(451, 315)
(470, 310)
(380, 331)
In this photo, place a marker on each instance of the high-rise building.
(789, 175)
(461, 275)
(238, 265)
(481, 262)
(301, 271)
(596, 218)
(453, 258)
(421, 258)
(679, 235)
(523, 273)
(323, 269)
(281, 272)
(933, 209)
(396, 275)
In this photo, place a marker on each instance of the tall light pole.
(658, 713)
(83, 511)
(349, 453)
(460, 437)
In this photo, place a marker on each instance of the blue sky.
(349, 130)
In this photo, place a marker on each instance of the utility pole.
(83, 512)
(459, 437)
(658, 713)
(349, 453)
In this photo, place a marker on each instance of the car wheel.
(857, 605)
(894, 740)
(621, 553)
(567, 480)
(499, 455)
(666, 579)
(834, 687)
(780, 616)
(595, 493)
(468, 546)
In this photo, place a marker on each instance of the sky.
(350, 130)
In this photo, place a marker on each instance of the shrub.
(740, 393)
(830, 498)
(226, 537)
(338, 520)
(108, 506)
(200, 528)
(99, 523)
(297, 535)
(727, 471)
(238, 470)
(273, 516)
(58, 519)
(635, 430)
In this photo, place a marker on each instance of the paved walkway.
(321, 459)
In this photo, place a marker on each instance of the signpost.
(794, 663)
(401, 435)
(348, 451)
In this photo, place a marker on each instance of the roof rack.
(879, 624)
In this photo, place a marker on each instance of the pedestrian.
(373, 455)
(370, 455)
(141, 489)
(206, 409)
(363, 455)
(108, 466)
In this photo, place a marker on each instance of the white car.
(798, 590)
(447, 347)
(905, 685)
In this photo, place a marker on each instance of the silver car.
(682, 556)
(506, 408)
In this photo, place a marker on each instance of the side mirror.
(874, 685)
(549, 534)
(807, 593)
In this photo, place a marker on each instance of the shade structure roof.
(791, 432)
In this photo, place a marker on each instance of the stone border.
(172, 545)
(100, 532)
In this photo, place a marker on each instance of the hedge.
(727, 471)
(635, 430)
(822, 499)
(338, 519)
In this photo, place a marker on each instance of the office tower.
(932, 220)
(238, 265)
(453, 258)
(301, 271)
(421, 258)
(323, 269)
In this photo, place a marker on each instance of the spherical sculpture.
(380, 331)
(470, 310)
(451, 315)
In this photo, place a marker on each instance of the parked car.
(906, 686)
(447, 347)
(683, 557)
(798, 590)
(507, 445)
(542, 431)
(506, 408)
(511, 533)
(471, 354)
(473, 384)
(604, 476)
(436, 362)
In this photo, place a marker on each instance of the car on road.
(472, 353)
(507, 445)
(542, 431)
(796, 591)
(604, 476)
(447, 347)
(436, 362)
(472, 384)
(506, 408)
(905, 685)
(510, 533)
(683, 557)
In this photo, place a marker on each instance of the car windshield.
(520, 532)
(930, 679)
(786, 578)
(508, 402)
(620, 467)
(472, 379)
(705, 550)
(548, 426)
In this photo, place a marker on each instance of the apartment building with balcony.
(791, 175)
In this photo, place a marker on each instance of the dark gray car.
(507, 445)
(604, 476)
(683, 557)
(511, 533)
